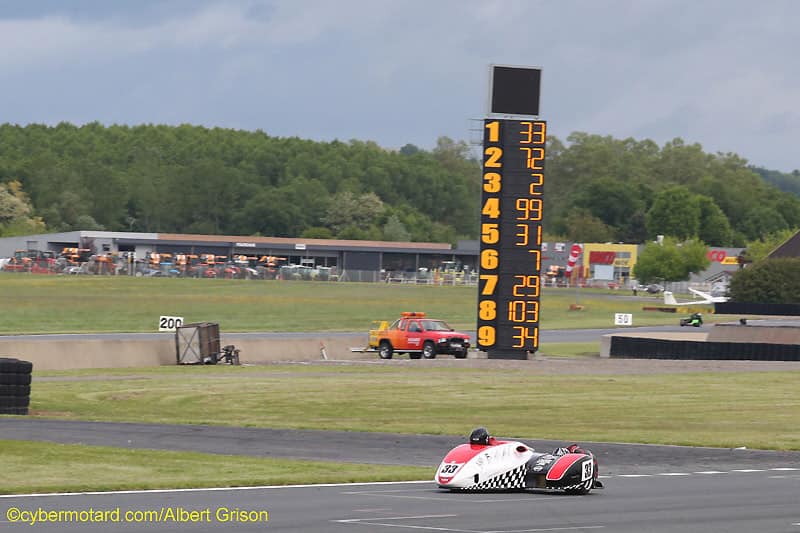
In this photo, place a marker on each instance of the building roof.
(337, 244)
(240, 241)
(790, 248)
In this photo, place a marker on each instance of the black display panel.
(515, 90)
(511, 234)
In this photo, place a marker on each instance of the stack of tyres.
(15, 386)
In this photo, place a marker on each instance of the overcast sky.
(725, 74)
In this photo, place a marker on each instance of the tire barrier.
(643, 348)
(15, 386)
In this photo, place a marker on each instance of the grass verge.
(570, 349)
(38, 467)
(753, 409)
(85, 304)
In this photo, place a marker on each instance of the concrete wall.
(765, 331)
(605, 340)
(756, 331)
(60, 354)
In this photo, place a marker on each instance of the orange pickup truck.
(419, 336)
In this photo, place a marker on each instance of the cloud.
(42, 41)
(715, 72)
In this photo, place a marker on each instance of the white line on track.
(416, 517)
(384, 491)
(384, 522)
(322, 485)
(400, 496)
(213, 489)
(390, 494)
(408, 526)
(568, 528)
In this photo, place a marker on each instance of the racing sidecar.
(695, 320)
(489, 464)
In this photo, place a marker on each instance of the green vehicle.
(695, 320)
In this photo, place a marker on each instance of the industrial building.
(365, 260)
(344, 255)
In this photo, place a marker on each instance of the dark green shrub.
(774, 281)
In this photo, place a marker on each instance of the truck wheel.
(428, 350)
(385, 350)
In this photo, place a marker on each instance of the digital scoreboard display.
(511, 234)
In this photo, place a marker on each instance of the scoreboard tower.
(511, 215)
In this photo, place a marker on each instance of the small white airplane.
(707, 298)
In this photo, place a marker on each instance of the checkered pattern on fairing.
(513, 479)
(573, 487)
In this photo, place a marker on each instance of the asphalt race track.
(551, 335)
(375, 448)
(709, 501)
(648, 488)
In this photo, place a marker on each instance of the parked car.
(653, 288)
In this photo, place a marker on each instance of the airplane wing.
(701, 294)
(669, 299)
(708, 297)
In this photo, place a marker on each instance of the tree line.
(604, 189)
(191, 179)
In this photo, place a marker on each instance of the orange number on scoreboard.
(494, 154)
(523, 311)
(533, 132)
(490, 233)
(489, 259)
(491, 182)
(523, 334)
(491, 283)
(486, 335)
(494, 131)
(488, 310)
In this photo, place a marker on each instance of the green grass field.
(37, 467)
(755, 409)
(84, 304)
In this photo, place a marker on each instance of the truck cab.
(419, 336)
